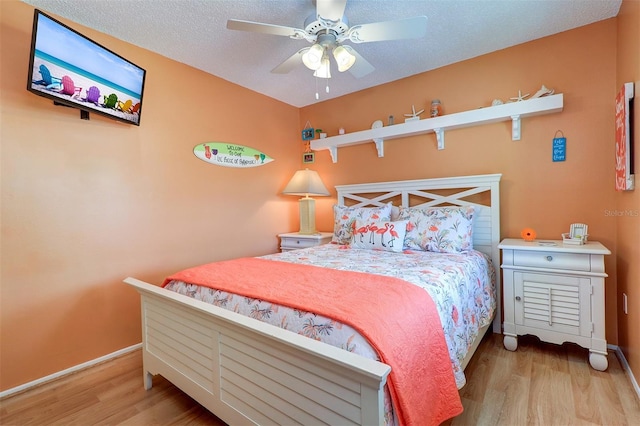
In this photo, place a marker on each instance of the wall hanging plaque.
(624, 142)
(230, 155)
(308, 132)
(559, 147)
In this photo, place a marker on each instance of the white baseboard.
(70, 370)
(625, 366)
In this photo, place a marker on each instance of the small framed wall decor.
(624, 139)
(308, 157)
(308, 134)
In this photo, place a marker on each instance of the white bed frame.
(249, 372)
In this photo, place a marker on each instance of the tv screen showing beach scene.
(75, 71)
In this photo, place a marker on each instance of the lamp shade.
(344, 58)
(312, 58)
(325, 68)
(305, 182)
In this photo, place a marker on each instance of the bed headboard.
(480, 191)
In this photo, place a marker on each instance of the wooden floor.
(544, 384)
(539, 384)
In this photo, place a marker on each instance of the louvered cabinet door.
(556, 303)
(556, 292)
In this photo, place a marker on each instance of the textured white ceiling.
(194, 32)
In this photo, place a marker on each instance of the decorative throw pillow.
(439, 229)
(387, 235)
(344, 219)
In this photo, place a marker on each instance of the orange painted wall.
(535, 192)
(628, 202)
(88, 203)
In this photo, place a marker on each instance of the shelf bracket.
(379, 147)
(440, 137)
(333, 150)
(515, 127)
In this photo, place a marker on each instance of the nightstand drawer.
(553, 260)
(298, 243)
(295, 240)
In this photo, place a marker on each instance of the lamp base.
(307, 208)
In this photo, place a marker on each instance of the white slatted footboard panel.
(256, 379)
(246, 371)
(167, 329)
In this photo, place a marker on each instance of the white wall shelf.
(513, 111)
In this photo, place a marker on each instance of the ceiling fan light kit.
(326, 30)
(344, 59)
(312, 58)
(324, 70)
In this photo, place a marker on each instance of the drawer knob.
(549, 258)
(518, 298)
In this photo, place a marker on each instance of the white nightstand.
(555, 292)
(295, 240)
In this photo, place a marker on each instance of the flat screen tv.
(75, 71)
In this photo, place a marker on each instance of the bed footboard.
(245, 371)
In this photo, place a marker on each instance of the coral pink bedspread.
(422, 383)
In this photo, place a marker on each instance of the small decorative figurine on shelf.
(436, 108)
(414, 116)
(542, 92)
(520, 97)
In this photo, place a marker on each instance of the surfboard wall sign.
(230, 155)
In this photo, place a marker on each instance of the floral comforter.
(461, 285)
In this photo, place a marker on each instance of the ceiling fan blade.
(257, 27)
(290, 63)
(361, 66)
(331, 10)
(415, 27)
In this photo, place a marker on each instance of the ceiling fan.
(327, 30)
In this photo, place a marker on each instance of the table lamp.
(306, 182)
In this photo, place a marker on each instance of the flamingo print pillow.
(344, 219)
(387, 235)
(439, 229)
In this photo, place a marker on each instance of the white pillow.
(387, 235)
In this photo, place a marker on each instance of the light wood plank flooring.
(544, 384)
(539, 384)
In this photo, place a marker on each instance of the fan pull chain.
(326, 88)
